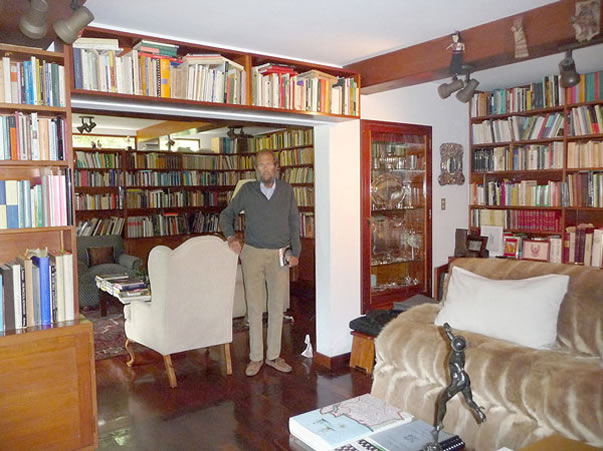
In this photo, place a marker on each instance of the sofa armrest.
(129, 261)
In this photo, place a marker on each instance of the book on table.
(346, 421)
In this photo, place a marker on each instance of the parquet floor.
(209, 410)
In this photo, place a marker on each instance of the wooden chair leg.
(131, 352)
(167, 359)
(227, 359)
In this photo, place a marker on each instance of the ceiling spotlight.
(68, 29)
(446, 89)
(87, 124)
(33, 24)
(465, 94)
(567, 71)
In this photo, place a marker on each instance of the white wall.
(337, 204)
(449, 120)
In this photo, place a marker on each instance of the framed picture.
(476, 246)
(535, 250)
(511, 246)
(495, 239)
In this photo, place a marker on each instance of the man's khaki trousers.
(261, 271)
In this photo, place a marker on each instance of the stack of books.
(124, 287)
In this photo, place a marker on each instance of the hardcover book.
(345, 422)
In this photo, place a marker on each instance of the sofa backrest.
(579, 327)
(84, 242)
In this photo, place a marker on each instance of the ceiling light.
(33, 24)
(446, 89)
(465, 94)
(567, 71)
(69, 29)
(87, 124)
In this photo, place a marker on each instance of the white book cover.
(6, 76)
(68, 286)
(56, 259)
(18, 301)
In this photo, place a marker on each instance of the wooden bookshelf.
(48, 377)
(559, 171)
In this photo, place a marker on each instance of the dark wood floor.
(211, 411)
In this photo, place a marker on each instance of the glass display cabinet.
(396, 212)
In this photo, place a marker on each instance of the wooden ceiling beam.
(168, 127)
(489, 45)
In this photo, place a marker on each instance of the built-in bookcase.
(537, 163)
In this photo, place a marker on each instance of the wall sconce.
(446, 89)
(87, 124)
(465, 94)
(34, 23)
(567, 71)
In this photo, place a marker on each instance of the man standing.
(272, 223)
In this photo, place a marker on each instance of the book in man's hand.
(345, 422)
(284, 254)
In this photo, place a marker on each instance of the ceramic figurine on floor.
(459, 382)
(458, 48)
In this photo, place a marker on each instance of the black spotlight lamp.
(88, 124)
(33, 24)
(446, 89)
(567, 71)
(465, 94)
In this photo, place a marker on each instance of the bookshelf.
(55, 361)
(537, 160)
(395, 212)
(158, 196)
(226, 80)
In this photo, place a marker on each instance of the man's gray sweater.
(270, 224)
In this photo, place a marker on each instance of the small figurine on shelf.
(519, 36)
(458, 48)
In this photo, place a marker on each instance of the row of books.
(585, 189)
(519, 158)
(281, 140)
(97, 160)
(36, 289)
(32, 82)
(545, 94)
(585, 154)
(296, 157)
(29, 137)
(85, 177)
(154, 160)
(526, 193)
(281, 86)
(583, 244)
(304, 196)
(585, 120)
(206, 222)
(158, 225)
(203, 77)
(220, 144)
(39, 202)
(520, 220)
(185, 178)
(107, 201)
(100, 226)
(518, 128)
(159, 198)
(298, 175)
(306, 225)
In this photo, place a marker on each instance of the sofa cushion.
(100, 255)
(522, 311)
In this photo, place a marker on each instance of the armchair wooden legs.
(130, 351)
(167, 359)
(227, 359)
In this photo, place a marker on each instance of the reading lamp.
(34, 23)
(446, 89)
(87, 124)
(567, 71)
(465, 94)
(68, 29)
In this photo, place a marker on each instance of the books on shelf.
(30, 137)
(344, 422)
(524, 193)
(101, 226)
(587, 154)
(518, 128)
(518, 158)
(518, 220)
(585, 120)
(590, 88)
(32, 82)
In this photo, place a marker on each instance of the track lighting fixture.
(446, 89)
(567, 71)
(234, 135)
(34, 23)
(88, 124)
(465, 94)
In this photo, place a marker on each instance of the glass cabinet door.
(396, 168)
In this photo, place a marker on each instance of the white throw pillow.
(523, 311)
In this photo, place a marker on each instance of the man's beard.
(268, 181)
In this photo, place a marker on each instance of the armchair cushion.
(100, 255)
(129, 261)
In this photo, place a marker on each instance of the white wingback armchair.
(192, 293)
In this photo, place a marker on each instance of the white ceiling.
(335, 32)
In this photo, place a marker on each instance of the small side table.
(363, 352)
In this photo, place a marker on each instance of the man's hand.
(234, 244)
(293, 261)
